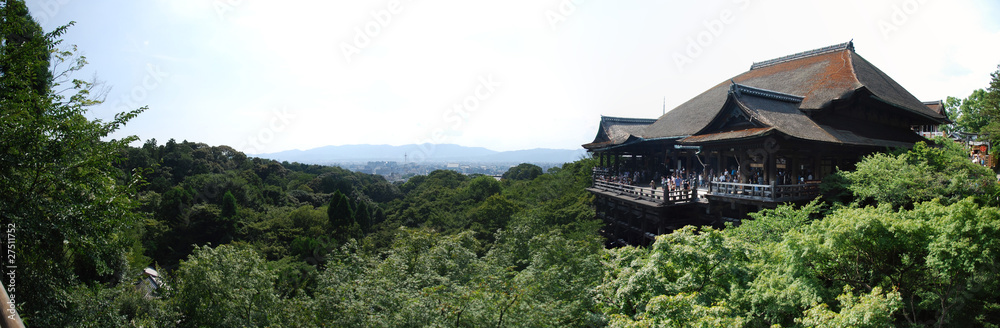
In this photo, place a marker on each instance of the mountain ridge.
(423, 153)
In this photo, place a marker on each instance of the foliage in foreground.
(60, 195)
(926, 172)
(870, 267)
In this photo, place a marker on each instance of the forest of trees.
(906, 239)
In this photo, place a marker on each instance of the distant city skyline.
(424, 153)
(266, 77)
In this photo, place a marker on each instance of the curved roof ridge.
(627, 120)
(739, 89)
(849, 45)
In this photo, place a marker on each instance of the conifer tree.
(341, 216)
(363, 216)
(228, 205)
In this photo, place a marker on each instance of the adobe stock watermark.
(224, 7)
(279, 121)
(367, 32)
(713, 29)
(456, 116)
(10, 271)
(564, 9)
(49, 9)
(153, 79)
(900, 15)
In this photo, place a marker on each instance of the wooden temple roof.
(938, 107)
(763, 111)
(783, 94)
(617, 130)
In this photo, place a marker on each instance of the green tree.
(341, 217)
(938, 258)
(340, 211)
(992, 110)
(308, 220)
(123, 305)
(681, 310)
(422, 281)
(173, 204)
(769, 226)
(363, 216)
(523, 171)
(920, 174)
(557, 289)
(226, 286)
(58, 187)
(493, 214)
(953, 109)
(871, 310)
(700, 266)
(972, 113)
(229, 205)
(25, 53)
(483, 187)
(979, 113)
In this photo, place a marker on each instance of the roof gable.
(937, 106)
(735, 115)
(748, 111)
(617, 130)
(819, 77)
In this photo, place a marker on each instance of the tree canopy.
(979, 113)
(971, 114)
(523, 171)
(926, 172)
(72, 212)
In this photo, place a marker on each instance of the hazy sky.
(265, 76)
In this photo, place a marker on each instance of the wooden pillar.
(689, 166)
(673, 163)
(635, 164)
(744, 167)
(817, 162)
(612, 164)
(791, 171)
(618, 163)
(719, 164)
(771, 168)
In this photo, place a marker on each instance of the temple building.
(932, 130)
(764, 137)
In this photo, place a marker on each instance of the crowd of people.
(680, 180)
(983, 159)
(683, 179)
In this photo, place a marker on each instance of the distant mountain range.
(424, 153)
